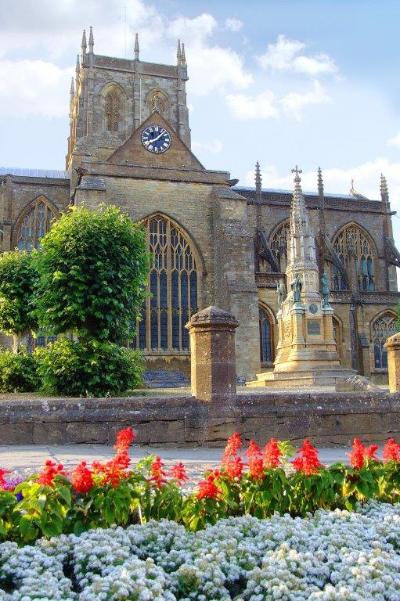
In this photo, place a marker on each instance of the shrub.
(92, 267)
(88, 368)
(17, 276)
(18, 372)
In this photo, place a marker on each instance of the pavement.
(25, 459)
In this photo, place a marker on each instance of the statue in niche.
(281, 292)
(296, 287)
(325, 290)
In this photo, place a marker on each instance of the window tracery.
(279, 244)
(173, 286)
(113, 110)
(353, 246)
(382, 328)
(34, 225)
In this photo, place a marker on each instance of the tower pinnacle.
(179, 53)
(136, 49)
(84, 44)
(183, 55)
(91, 40)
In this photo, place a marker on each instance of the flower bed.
(257, 482)
(339, 555)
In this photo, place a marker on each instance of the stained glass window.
(173, 286)
(34, 225)
(266, 337)
(353, 245)
(382, 328)
(279, 242)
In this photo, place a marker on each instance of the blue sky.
(280, 81)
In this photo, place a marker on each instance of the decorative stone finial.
(384, 189)
(258, 180)
(72, 88)
(78, 65)
(183, 55)
(84, 44)
(179, 53)
(320, 183)
(91, 40)
(136, 50)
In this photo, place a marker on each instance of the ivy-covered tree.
(93, 267)
(17, 278)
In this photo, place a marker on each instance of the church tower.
(111, 97)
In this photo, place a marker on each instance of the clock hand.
(158, 137)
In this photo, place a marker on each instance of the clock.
(156, 139)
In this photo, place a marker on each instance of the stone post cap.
(213, 316)
(393, 341)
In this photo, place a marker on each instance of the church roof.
(284, 197)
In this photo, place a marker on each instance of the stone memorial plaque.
(314, 327)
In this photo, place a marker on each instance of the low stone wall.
(328, 419)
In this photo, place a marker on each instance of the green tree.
(17, 278)
(93, 267)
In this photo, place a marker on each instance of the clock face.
(156, 139)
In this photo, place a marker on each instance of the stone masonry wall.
(328, 419)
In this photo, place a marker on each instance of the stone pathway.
(25, 459)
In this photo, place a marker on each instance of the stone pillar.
(393, 350)
(213, 360)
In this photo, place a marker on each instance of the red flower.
(178, 473)
(233, 467)
(391, 450)
(256, 468)
(272, 454)
(113, 471)
(2, 478)
(308, 462)
(82, 478)
(360, 454)
(208, 489)
(233, 445)
(49, 472)
(124, 440)
(157, 472)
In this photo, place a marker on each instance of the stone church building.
(211, 241)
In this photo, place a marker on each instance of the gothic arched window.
(279, 243)
(173, 286)
(34, 225)
(113, 110)
(353, 245)
(382, 328)
(266, 336)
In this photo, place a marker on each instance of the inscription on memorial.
(313, 327)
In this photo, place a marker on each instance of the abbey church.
(212, 242)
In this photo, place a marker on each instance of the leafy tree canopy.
(93, 267)
(17, 277)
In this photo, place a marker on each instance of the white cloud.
(233, 24)
(213, 146)
(32, 87)
(195, 30)
(337, 180)
(285, 55)
(395, 141)
(215, 68)
(295, 102)
(261, 106)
